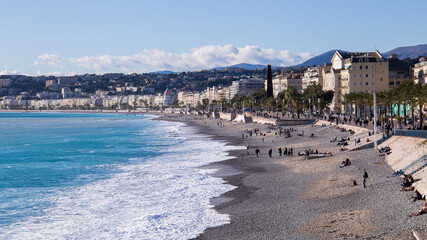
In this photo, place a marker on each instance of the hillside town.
(347, 72)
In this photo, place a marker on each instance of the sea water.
(105, 176)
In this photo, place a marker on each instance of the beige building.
(420, 71)
(355, 72)
(283, 82)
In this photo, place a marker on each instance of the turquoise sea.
(105, 176)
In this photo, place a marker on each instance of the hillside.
(408, 51)
(246, 66)
(319, 60)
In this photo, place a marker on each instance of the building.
(168, 98)
(5, 82)
(283, 82)
(67, 81)
(420, 71)
(355, 72)
(399, 71)
(245, 87)
(66, 93)
(312, 76)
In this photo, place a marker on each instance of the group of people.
(284, 152)
(408, 180)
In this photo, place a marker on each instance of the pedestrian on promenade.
(257, 151)
(365, 176)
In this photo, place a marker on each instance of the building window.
(354, 75)
(354, 83)
(360, 67)
(372, 75)
(367, 75)
(381, 79)
(367, 83)
(391, 83)
(360, 83)
(366, 67)
(360, 75)
(373, 68)
(373, 83)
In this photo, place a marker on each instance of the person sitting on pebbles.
(421, 212)
(416, 196)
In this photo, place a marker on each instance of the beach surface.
(291, 197)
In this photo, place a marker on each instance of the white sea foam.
(165, 197)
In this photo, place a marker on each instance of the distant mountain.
(246, 66)
(408, 51)
(164, 72)
(320, 59)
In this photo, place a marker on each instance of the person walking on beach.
(365, 176)
(285, 152)
(247, 149)
(270, 152)
(257, 151)
(280, 151)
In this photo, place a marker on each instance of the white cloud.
(204, 57)
(7, 71)
(49, 59)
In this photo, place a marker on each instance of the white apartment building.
(312, 76)
(244, 87)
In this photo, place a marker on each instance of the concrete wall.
(227, 116)
(264, 120)
(239, 118)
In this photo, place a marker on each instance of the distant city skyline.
(50, 37)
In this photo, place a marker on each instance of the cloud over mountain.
(204, 57)
(49, 59)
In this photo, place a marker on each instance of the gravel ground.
(295, 198)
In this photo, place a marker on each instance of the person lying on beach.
(345, 163)
(416, 196)
(421, 212)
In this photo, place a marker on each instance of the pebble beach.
(291, 197)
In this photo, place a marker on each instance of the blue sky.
(76, 37)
